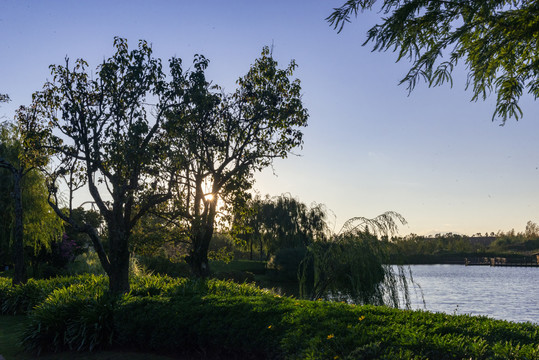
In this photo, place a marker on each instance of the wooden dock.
(498, 261)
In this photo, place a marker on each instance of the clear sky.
(433, 156)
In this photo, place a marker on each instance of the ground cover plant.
(181, 316)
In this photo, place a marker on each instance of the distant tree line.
(416, 248)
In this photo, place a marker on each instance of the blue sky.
(433, 156)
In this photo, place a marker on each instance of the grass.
(11, 328)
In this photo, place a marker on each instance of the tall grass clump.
(22, 298)
(77, 317)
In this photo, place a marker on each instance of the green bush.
(229, 320)
(20, 299)
(77, 317)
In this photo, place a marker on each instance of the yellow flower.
(335, 357)
(331, 336)
(361, 318)
(269, 327)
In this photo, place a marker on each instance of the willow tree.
(353, 265)
(225, 138)
(109, 141)
(280, 222)
(27, 220)
(496, 40)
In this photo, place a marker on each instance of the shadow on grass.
(11, 328)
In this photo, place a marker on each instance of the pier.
(500, 261)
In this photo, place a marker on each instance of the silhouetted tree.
(112, 142)
(224, 139)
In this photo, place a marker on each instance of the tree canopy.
(135, 139)
(496, 40)
(105, 137)
(223, 139)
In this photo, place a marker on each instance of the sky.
(432, 155)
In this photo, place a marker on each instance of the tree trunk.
(198, 258)
(119, 262)
(19, 277)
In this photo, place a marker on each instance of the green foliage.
(11, 328)
(160, 265)
(285, 264)
(497, 40)
(21, 299)
(353, 265)
(87, 263)
(240, 321)
(281, 222)
(41, 225)
(151, 233)
(77, 317)
(454, 247)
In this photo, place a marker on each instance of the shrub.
(20, 299)
(241, 321)
(77, 317)
(232, 326)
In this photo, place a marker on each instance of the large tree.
(225, 138)
(497, 41)
(110, 141)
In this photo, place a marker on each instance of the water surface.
(507, 293)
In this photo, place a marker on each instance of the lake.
(507, 293)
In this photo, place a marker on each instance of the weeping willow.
(353, 265)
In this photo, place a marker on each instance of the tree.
(281, 222)
(224, 139)
(496, 39)
(26, 217)
(353, 264)
(112, 142)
